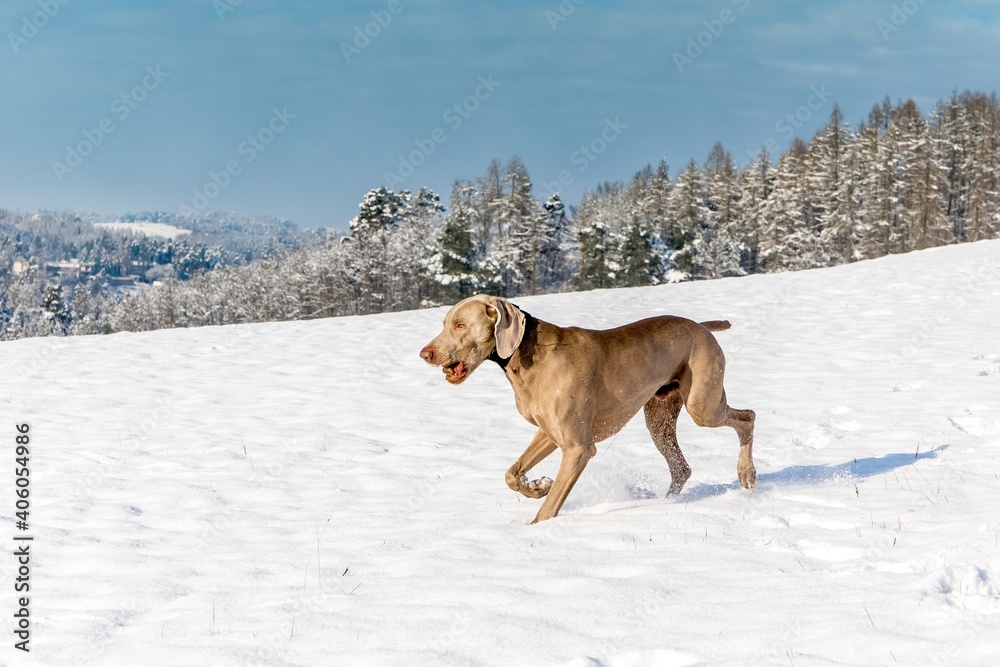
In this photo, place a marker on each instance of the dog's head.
(473, 328)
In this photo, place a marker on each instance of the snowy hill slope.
(145, 227)
(314, 494)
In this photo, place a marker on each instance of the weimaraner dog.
(580, 386)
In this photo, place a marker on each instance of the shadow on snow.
(817, 474)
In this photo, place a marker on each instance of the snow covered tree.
(392, 250)
(788, 240)
(6, 312)
(882, 228)
(949, 124)
(489, 191)
(920, 180)
(756, 184)
(458, 251)
(515, 252)
(54, 304)
(509, 229)
(688, 214)
(640, 262)
(655, 204)
(555, 247)
(980, 122)
(87, 308)
(832, 180)
(417, 252)
(598, 237)
(380, 213)
(718, 250)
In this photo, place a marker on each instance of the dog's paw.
(540, 486)
(747, 476)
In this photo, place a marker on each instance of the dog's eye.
(460, 325)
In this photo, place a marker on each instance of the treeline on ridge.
(899, 181)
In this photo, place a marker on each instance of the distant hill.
(235, 232)
(53, 262)
(145, 228)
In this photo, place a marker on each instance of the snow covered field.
(160, 229)
(314, 494)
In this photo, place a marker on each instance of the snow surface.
(160, 229)
(312, 493)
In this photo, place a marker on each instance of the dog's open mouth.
(455, 372)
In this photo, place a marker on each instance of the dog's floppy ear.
(509, 327)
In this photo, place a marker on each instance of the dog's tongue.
(459, 369)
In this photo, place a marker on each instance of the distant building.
(124, 283)
(73, 268)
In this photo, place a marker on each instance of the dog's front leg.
(574, 460)
(540, 447)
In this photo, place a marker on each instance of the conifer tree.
(833, 157)
(640, 260)
(458, 252)
(555, 246)
(717, 248)
(788, 241)
(688, 215)
(756, 184)
(598, 239)
(920, 180)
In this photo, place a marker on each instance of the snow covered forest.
(900, 181)
(60, 270)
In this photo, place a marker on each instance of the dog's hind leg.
(720, 414)
(742, 421)
(705, 400)
(661, 419)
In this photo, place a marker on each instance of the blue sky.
(296, 109)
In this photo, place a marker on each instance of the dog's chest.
(522, 394)
(541, 404)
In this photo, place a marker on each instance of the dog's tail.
(716, 325)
